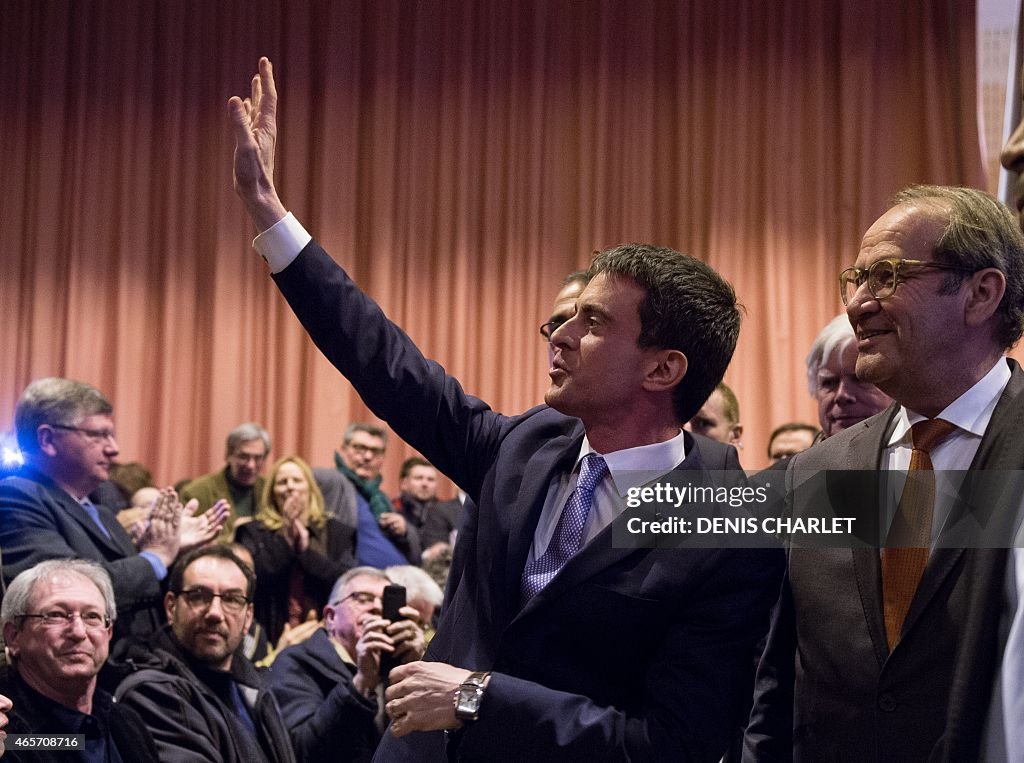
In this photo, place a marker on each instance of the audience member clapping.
(298, 550)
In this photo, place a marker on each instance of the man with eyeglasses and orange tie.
(199, 695)
(887, 650)
(65, 431)
(57, 619)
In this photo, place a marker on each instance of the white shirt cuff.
(281, 242)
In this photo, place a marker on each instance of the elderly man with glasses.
(57, 623)
(65, 431)
(888, 650)
(330, 687)
(199, 695)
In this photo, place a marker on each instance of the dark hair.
(980, 233)
(371, 429)
(687, 307)
(130, 478)
(410, 463)
(220, 551)
(792, 426)
(578, 276)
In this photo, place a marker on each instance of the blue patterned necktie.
(568, 536)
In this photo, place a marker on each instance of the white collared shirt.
(632, 467)
(971, 413)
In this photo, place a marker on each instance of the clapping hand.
(294, 515)
(198, 531)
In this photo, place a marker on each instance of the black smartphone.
(392, 600)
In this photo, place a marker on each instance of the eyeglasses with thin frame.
(58, 618)
(202, 597)
(98, 435)
(363, 598)
(883, 276)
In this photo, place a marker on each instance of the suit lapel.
(77, 512)
(600, 553)
(554, 458)
(864, 455)
(999, 450)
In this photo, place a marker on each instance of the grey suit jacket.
(828, 687)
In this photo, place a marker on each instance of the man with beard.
(199, 696)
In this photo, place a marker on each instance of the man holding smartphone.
(329, 687)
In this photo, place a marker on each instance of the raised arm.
(254, 121)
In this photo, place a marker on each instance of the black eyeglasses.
(201, 597)
(93, 434)
(883, 276)
(549, 328)
(57, 618)
(365, 449)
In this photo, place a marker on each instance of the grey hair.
(16, 600)
(419, 586)
(355, 572)
(981, 232)
(55, 401)
(832, 338)
(247, 432)
(370, 429)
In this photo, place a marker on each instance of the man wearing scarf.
(383, 536)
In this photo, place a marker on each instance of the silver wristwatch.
(468, 697)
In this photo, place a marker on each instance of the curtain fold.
(458, 158)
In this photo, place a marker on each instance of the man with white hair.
(57, 623)
(843, 399)
(329, 686)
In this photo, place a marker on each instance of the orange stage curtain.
(459, 158)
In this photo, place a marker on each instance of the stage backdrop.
(459, 158)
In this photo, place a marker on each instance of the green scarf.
(368, 489)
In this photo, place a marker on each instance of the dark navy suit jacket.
(39, 521)
(628, 653)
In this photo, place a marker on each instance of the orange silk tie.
(910, 535)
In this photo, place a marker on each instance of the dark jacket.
(434, 519)
(828, 685)
(39, 521)
(32, 714)
(275, 559)
(187, 718)
(327, 719)
(689, 616)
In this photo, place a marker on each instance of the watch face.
(469, 702)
